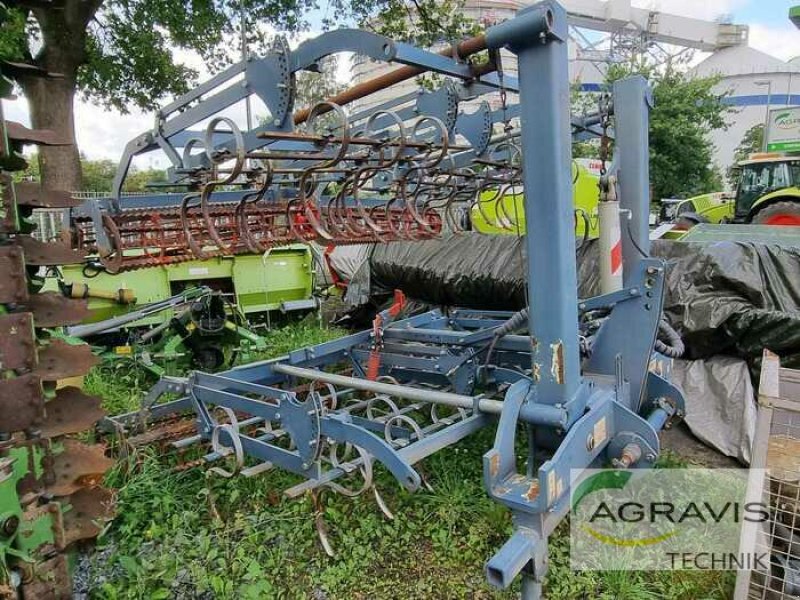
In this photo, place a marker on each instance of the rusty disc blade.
(51, 580)
(33, 195)
(18, 69)
(78, 466)
(52, 309)
(48, 254)
(17, 342)
(23, 403)
(13, 279)
(59, 360)
(17, 132)
(71, 411)
(8, 205)
(89, 509)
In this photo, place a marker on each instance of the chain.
(605, 119)
(503, 95)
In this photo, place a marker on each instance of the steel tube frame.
(632, 133)
(546, 133)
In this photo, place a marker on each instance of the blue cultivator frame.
(578, 378)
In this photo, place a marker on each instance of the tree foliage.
(127, 51)
(313, 87)
(686, 109)
(98, 175)
(422, 22)
(752, 141)
(124, 53)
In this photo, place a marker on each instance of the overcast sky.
(103, 134)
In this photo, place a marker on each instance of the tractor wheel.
(208, 358)
(780, 213)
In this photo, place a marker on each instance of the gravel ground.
(92, 571)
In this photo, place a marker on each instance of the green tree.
(422, 22)
(752, 141)
(313, 87)
(118, 53)
(686, 109)
(98, 175)
(142, 180)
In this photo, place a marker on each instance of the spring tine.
(382, 504)
(319, 523)
(253, 244)
(216, 159)
(191, 243)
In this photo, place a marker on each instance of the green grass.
(183, 534)
(121, 383)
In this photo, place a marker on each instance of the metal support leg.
(546, 148)
(531, 589)
(632, 102)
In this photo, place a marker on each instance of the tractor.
(768, 193)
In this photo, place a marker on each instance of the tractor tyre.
(785, 213)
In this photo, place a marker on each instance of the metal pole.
(534, 413)
(768, 84)
(531, 589)
(390, 389)
(463, 50)
(547, 176)
(631, 124)
(766, 117)
(247, 106)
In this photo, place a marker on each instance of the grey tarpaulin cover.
(720, 403)
(471, 270)
(733, 298)
(347, 259)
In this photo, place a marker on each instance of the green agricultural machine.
(51, 493)
(195, 314)
(279, 280)
(768, 187)
(502, 212)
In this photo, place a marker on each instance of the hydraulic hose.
(672, 345)
(517, 320)
(668, 341)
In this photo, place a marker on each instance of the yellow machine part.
(501, 211)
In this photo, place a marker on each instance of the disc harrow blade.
(17, 132)
(23, 403)
(13, 278)
(17, 342)
(88, 509)
(51, 580)
(52, 254)
(8, 207)
(52, 309)
(78, 466)
(32, 195)
(71, 411)
(59, 360)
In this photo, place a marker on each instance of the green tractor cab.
(769, 190)
(768, 193)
